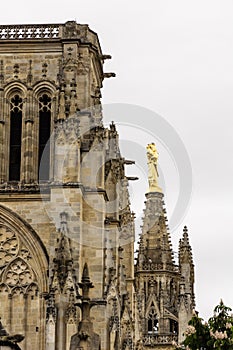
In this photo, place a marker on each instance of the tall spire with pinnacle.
(156, 274)
(155, 237)
(164, 290)
(186, 293)
(186, 265)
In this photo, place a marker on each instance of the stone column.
(10, 312)
(28, 154)
(25, 320)
(42, 321)
(2, 152)
(27, 142)
(60, 332)
(2, 141)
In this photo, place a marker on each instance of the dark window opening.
(173, 327)
(44, 135)
(150, 325)
(152, 322)
(15, 138)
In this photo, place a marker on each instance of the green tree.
(217, 333)
(221, 328)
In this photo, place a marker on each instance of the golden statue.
(152, 156)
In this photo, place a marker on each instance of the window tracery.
(14, 256)
(152, 321)
(18, 273)
(8, 245)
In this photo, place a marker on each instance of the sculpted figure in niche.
(152, 156)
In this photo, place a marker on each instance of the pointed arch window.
(44, 135)
(16, 104)
(152, 321)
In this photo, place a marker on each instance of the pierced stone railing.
(154, 267)
(156, 339)
(68, 30)
(27, 31)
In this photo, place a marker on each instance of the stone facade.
(67, 274)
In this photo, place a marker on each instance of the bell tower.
(165, 297)
(67, 274)
(52, 73)
(65, 214)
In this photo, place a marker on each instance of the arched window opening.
(152, 324)
(173, 327)
(44, 135)
(16, 104)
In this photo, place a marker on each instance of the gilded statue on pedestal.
(152, 156)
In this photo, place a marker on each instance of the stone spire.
(156, 275)
(186, 265)
(186, 289)
(185, 250)
(155, 243)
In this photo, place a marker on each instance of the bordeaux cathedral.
(69, 276)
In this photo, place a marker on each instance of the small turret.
(186, 265)
(186, 292)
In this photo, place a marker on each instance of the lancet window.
(44, 135)
(152, 321)
(16, 104)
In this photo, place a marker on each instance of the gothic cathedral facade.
(68, 279)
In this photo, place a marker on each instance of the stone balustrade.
(157, 339)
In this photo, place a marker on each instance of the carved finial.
(152, 156)
(85, 275)
(63, 218)
(86, 283)
(185, 236)
(185, 250)
(112, 126)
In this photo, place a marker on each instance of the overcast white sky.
(174, 57)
